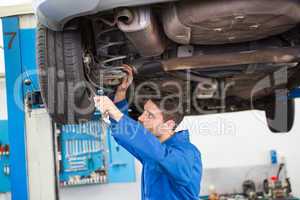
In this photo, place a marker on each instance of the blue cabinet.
(121, 163)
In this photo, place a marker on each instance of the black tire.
(64, 90)
(280, 112)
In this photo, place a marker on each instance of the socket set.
(95, 178)
(83, 154)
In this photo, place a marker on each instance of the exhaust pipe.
(262, 56)
(142, 29)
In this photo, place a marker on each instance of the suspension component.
(106, 48)
(99, 75)
(106, 69)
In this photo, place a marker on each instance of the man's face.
(152, 118)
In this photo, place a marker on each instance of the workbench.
(290, 198)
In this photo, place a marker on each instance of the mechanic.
(172, 166)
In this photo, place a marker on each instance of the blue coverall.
(172, 170)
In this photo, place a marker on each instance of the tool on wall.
(83, 149)
(276, 187)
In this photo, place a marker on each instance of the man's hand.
(126, 82)
(105, 105)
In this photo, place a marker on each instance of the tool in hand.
(104, 116)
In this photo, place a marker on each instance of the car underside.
(215, 56)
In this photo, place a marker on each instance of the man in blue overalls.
(172, 167)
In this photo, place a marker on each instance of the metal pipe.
(271, 55)
(142, 29)
(150, 67)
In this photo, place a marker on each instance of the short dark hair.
(172, 109)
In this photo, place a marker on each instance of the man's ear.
(170, 124)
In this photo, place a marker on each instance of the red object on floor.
(274, 178)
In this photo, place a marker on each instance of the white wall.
(13, 2)
(3, 109)
(1, 50)
(248, 144)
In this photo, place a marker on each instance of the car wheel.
(64, 89)
(280, 112)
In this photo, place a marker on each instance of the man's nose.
(141, 117)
